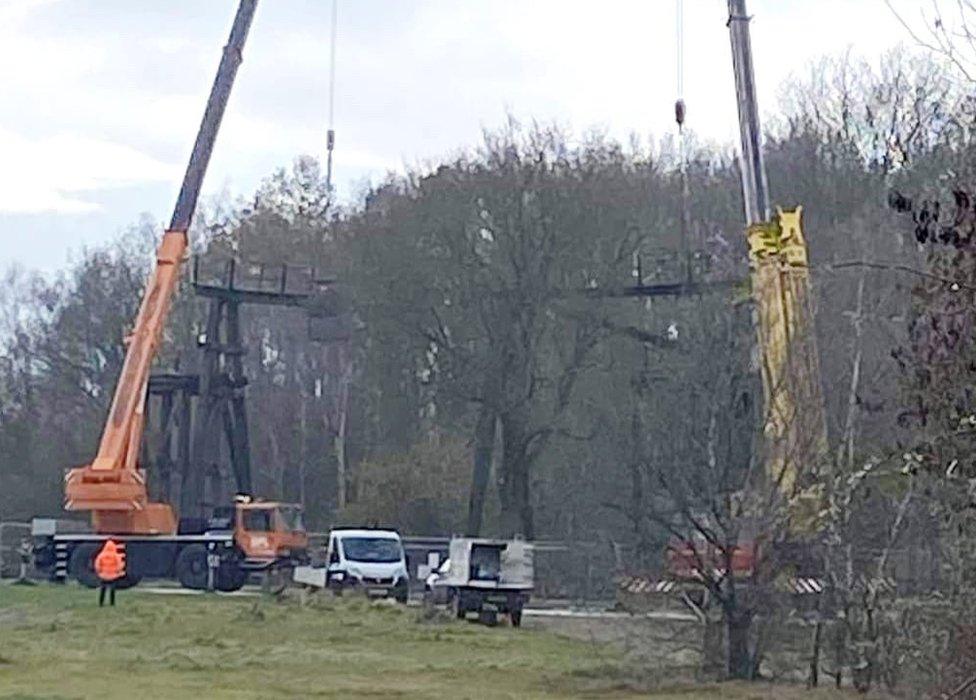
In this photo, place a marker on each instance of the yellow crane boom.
(794, 429)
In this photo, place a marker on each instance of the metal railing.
(12, 537)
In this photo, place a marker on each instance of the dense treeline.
(497, 381)
(478, 291)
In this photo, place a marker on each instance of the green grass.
(55, 643)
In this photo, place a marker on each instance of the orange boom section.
(112, 485)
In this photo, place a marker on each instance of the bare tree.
(945, 27)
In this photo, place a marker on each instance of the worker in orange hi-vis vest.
(110, 567)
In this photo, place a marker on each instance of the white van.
(368, 560)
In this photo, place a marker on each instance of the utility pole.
(755, 189)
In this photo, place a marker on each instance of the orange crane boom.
(113, 486)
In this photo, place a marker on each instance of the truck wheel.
(515, 614)
(230, 577)
(488, 617)
(81, 565)
(401, 594)
(191, 567)
(278, 578)
(456, 605)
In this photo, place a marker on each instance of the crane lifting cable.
(330, 137)
(679, 117)
(679, 78)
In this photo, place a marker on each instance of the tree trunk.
(342, 411)
(526, 516)
(813, 680)
(516, 515)
(513, 492)
(638, 507)
(339, 444)
(739, 625)
(303, 446)
(484, 442)
(713, 646)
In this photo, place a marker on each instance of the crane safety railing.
(236, 274)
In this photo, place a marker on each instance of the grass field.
(56, 643)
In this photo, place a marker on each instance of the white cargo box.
(310, 576)
(487, 563)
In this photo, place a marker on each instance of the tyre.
(401, 593)
(191, 567)
(128, 581)
(230, 576)
(515, 614)
(457, 606)
(81, 565)
(278, 578)
(488, 617)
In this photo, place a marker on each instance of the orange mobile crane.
(243, 536)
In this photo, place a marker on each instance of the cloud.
(107, 94)
(16, 10)
(53, 173)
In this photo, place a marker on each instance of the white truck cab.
(368, 560)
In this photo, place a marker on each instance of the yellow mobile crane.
(794, 425)
(795, 429)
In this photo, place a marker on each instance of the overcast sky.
(101, 98)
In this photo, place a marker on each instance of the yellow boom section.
(794, 426)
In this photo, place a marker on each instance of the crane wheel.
(191, 567)
(81, 565)
(128, 581)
